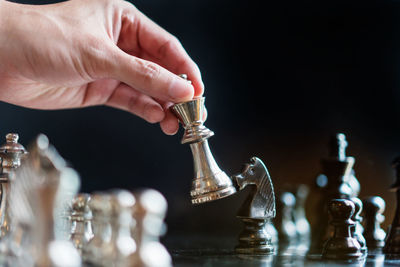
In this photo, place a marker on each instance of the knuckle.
(96, 56)
(126, 5)
(150, 72)
(172, 44)
(133, 103)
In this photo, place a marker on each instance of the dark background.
(280, 78)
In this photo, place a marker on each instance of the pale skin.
(83, 53)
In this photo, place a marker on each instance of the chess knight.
(211, 183)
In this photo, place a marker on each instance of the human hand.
(82, 53)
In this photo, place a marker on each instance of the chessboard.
(46, 221)
(203, 250)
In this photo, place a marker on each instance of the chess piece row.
(45, 222)
(291, 221)
(337, 181)
(290, 234)
(119, 228)
(38, 188)
(211, 183)
(339, 232)
(347, 241)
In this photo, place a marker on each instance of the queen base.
(211, 196)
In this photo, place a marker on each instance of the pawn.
(284, 219)
(353, 183)
(299, 213)
(93, 252)
(357, 229)
(122, 246)
(149, 212)
(341, 246)
(81, 229)
(373, 209)
(270, 229)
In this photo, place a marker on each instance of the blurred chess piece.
(392, 244)
(33, 195)
(284, 218)
(341, 246)
(301, 192)
(353, 183)
(333, 185)
(96, 249)
(124, 243)
(271, 230)
(149, 212)
(81, 216)
(338, 168)
(113, 244)
(357, 229)
(11, 154)
(210, 182)
(373, 209)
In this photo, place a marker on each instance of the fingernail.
(200, 90)
(181, 90)
(170, 128)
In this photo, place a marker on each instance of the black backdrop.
(280, 79)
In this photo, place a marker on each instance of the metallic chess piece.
(354, 184)
(124, 244)
(81, 229)
(284, 219)
(302, 225)
(118, 247)
(392, 244)
(149, 212)
(373, 209)
(101, 207)
(300, 192)
(271, 230)
(257, 210)
(11, 154)
(210, 182)
(42, 177)
(341, 246)
(337, 169)
(357, 229)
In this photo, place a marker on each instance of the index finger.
(157, 45)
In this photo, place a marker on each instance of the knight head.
(260, 203)
(251, 173)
